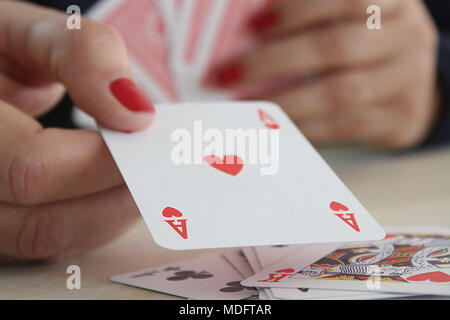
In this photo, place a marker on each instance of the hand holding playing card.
(56, 184)
(366, 80)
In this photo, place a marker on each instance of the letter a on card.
(181, 228)
(349, 218)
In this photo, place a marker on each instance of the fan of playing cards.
(404, 264)
(173, 43)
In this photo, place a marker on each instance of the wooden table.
(411, 189)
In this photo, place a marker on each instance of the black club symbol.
(235, 286)
(183, 275)
(171, 269)
(145, 274)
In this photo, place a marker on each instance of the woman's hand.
(60, 191)
(373, 86)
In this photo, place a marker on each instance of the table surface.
(400, 190)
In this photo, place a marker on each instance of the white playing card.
(238, 260)
(268, 255)
(205, 278)
(276, 190)
(252, 258)
(404, 263)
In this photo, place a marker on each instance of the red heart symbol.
(288, 270)
(390, 236)
(230, 164)
(436, 276)
(171, 212)
(336, 206)
(267, 120)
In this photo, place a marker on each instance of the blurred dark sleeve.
(440, 10)
(61, 115)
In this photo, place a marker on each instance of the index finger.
(287, 15)
(91, 62)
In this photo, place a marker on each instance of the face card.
(205, 171)
(204, 278)
(146, 35)
(404, 263)
(271, 255)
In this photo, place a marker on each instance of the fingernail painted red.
(265, 20)
(130, 96)
(229, 75)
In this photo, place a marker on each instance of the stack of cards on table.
(404, 265)
(303, 234)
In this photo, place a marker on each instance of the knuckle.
(26, 174)
(96, 34)
(358, 88)
(96, 31)
(332, 45)
(412, 24)
(344, 91)
(404, 135)
(428, 35)
(417, 22)
(81, 48)
(44, 234)
(358, 7)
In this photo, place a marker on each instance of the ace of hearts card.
(270, 187)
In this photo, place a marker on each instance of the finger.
(39, 166)
(318, 50)
(91, 62)
(365, 125)
(288, 15)
(66, 228)
(418, 112)
(351, 89)
(33, 100)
